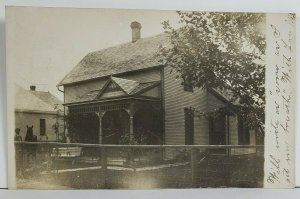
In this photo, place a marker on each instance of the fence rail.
(140, 146)
(100, 165)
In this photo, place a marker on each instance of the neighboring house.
(39, 109)
(125, 90)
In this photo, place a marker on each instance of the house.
(39, 109)
(125, 92)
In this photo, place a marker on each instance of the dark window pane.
(217, 130)
(217, 133)
(42, 127)
(189, 126)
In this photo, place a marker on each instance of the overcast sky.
(49, 42)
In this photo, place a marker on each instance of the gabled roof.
(142, 54)
(49, 99)
(125, 84)
(129, 87)
(96, 94)
(36, 101)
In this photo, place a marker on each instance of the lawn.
(214, 171)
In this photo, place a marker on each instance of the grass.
(214, 171)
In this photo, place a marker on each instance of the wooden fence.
(193, 155)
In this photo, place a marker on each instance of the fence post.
(194, 166)
(103, 165)
(19, 159)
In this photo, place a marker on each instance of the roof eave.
(37, 111)
(147, 88)
(102, 77)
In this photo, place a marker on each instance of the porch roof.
(128, 88)
(119, 103)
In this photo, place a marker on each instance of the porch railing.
(171, 166)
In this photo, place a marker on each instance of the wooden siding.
(154, 92)
(233, 130)
(176, 99)
(74, 93)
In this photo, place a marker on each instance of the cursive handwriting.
(280, 158)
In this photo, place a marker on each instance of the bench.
(66, 153)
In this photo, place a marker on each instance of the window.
(189, 126)
(243, 132)
(218, 133)
(217, 130)
(187, 86)
(42, 127)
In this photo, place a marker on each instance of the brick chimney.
(32, 88)
(136, 31)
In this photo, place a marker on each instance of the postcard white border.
(220, 5)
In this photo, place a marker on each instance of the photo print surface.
(147, 99)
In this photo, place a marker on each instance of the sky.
(46, 43)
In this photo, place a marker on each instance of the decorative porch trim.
(97, 108)
(144, 98)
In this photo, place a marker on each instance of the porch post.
(131, 127)
(100, 115)
(131, 110)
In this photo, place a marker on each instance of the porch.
(117, 121)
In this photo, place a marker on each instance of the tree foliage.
(225, 52)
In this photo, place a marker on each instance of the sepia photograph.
(149, 99)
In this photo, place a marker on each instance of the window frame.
(187, 86)
(42, 127)
(189, 125)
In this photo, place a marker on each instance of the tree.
(224, 52)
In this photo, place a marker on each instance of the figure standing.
(18, 137)
(19, 154)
